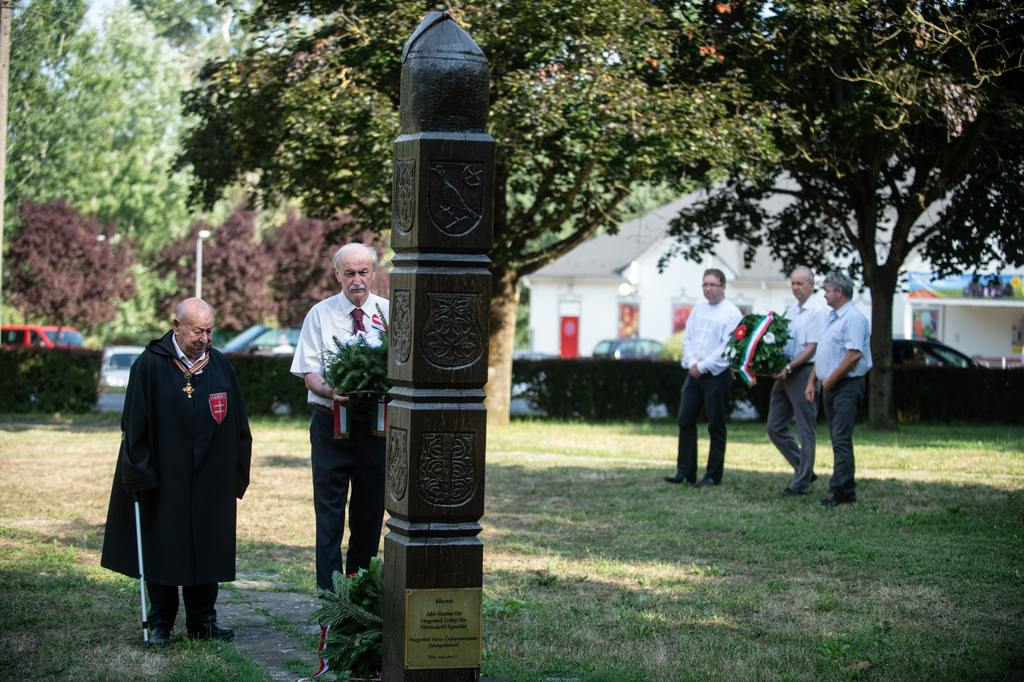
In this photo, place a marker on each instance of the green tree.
(899, 128)
(94, 120)
(588, 99)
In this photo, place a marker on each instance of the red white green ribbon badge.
(748, 355)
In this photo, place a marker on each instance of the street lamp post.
(203, 234)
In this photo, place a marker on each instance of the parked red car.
(43, 336)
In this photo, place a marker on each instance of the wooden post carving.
(442, 211)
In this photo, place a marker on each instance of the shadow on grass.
(630, 514)
(915, 436)
(922, 579)
(60, 427)
(286, 462)
(62, 621)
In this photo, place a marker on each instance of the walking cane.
(142, 577)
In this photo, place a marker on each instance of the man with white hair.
(806, 320)
(842, 362)
(185, 455)
(358, 459)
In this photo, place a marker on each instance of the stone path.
(253, 607)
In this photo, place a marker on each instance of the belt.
(358, 417)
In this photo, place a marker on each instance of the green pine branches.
(353, 609)
(357, 366)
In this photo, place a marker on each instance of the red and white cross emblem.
(219, 406)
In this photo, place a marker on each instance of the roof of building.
(608, 256)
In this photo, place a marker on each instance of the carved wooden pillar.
(440, 301)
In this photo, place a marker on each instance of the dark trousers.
(199, 605)
(788, 401)
(358, 459)
(841, 405)
(713, 393)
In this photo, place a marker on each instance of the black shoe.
(160, 637)
(706, 482)
(814, 477)
(789, 493)
(836, 499)
(212, 631)
(678, 478)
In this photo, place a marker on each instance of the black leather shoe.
(678, 478)
(212, 630)
(814, 477)
(789, 493)
(835, 499)
(706, 482)
(160, 637)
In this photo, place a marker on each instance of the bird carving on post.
(451, 199)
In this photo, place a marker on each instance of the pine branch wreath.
(359, 363)
(769, 353)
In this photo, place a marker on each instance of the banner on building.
(1017, 335)
(680, 314)
(926, 323)
(1005, 287)
(629, 320)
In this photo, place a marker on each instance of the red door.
(570, 337)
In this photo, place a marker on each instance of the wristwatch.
(789, 370)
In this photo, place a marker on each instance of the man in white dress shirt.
(708, 380)
(358, 459)
(806, 320)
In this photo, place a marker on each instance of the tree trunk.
(504, 299)
(881, 409)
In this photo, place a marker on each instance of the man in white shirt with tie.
(707, 382)
(807, 319)
(358, 459)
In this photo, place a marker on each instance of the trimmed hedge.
(604, 390)
(49, 379)
(267, 383)
(945, 394)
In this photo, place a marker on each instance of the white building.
(609, 287)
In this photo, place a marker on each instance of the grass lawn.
(595, 568)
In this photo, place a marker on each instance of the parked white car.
(117, 361)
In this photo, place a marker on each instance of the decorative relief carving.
(447, 470)
(398, 463)
(452, 337)
(400, 331)
(456, 196)
(404, 210)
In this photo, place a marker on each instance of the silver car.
(117, 361)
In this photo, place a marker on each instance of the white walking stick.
(142, 577)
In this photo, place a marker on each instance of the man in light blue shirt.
(708, 380)
(807, 319)
(843, 359)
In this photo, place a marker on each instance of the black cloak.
(186, 465)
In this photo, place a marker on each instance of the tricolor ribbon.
(322, 666)
(379, 417)
(342, 420)
(748, 354)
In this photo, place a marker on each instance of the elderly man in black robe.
(185, 454)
